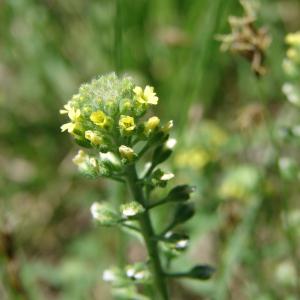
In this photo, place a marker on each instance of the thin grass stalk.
(118, 42)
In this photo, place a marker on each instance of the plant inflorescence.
(110, 118)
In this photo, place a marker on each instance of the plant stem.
(148, 235)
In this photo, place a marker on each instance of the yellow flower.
(147, 95)
(194, 158)
(293, 39)
(93, 137)
(99, 118)
(80, 158)
(126, 123)
(126, 152)
(68, 127)
(73, 113)
(152, 123)
(66, 109)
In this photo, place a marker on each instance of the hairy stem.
(148, 235)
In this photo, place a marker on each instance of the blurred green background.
(227, 121)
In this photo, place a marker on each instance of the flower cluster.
(108, 116)
(210, 141)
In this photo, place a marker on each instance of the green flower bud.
(202, 272)
(183, 212)
(162, 152)
(126, 106)
(180, 193)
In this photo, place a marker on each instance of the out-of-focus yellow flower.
(233, 190)
(127, 105)
(147, 95)
(194, 158)
(240, 183)
(93, 137)
(217, 136)
(293, 39)
(127, 124)
(293, 54)
(99, 118)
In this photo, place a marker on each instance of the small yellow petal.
(126, 123)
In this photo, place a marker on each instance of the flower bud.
(127, 153)
(202, 272)
(126, 106)
(184, 212)
(138, 272)
(115, 276)
(151, 124)
(131, 209)
(104, 214)
(175, 243)
(86, 164)
(110, 161)
(93, 137)
(180, 193)
(80, 158)
(162, 152)
(166, 128)
(159, 178)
